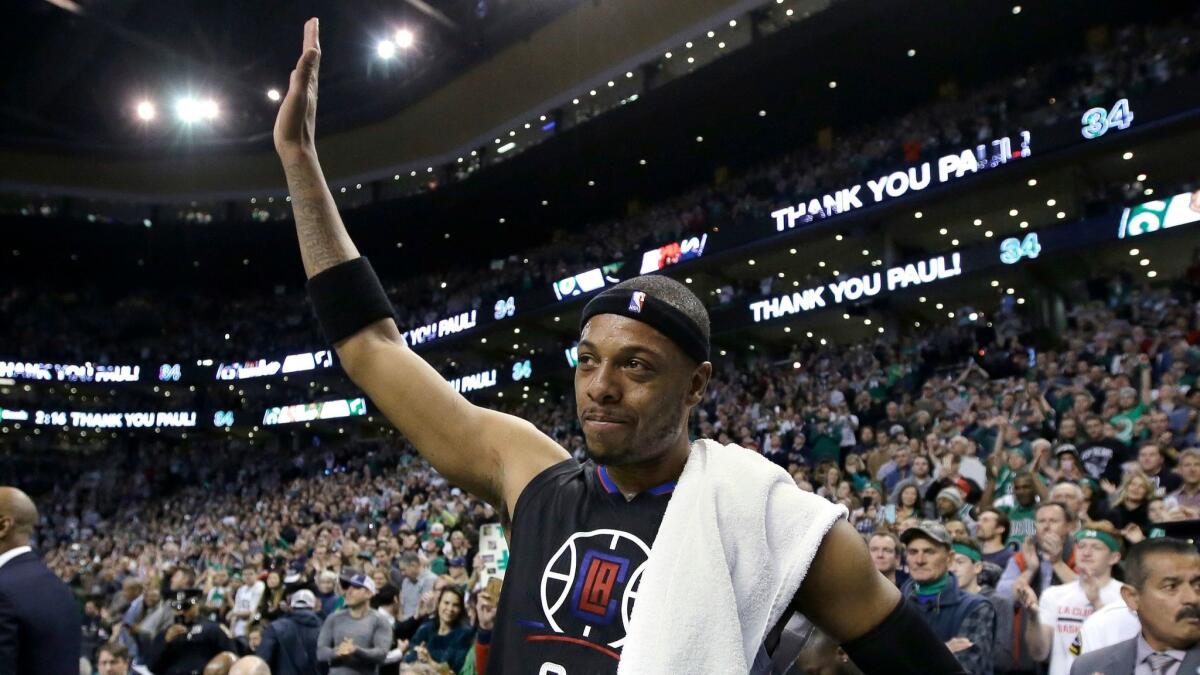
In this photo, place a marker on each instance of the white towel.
(735, 543)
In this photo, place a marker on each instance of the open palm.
(295, 126)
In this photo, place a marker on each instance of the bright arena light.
(146, 111)
(274, 94)
(189, 110)
(405, 38)
(386, 49)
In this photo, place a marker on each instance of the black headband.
(664, 318)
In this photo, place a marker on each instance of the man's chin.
(604, 455)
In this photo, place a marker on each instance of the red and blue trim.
(611, 488)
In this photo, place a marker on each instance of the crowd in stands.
(175, 326)
(956, 437)
(997, 476)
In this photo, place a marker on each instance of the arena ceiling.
(78, 68)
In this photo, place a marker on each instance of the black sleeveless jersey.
(576, 555)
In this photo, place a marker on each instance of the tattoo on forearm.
(319, 244)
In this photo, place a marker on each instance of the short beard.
(656, 437)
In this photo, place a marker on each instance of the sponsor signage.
(586, 282)
(1159, 214)
(321, 410)
(293, 363)
(672, 253)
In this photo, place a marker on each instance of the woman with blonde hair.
(1131, 502)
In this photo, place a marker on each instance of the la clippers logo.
(637, 301)
(591, 582)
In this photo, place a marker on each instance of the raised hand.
(295, 125)
(1029, 551)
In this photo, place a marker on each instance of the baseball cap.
(303, 599)
(895, 430)
(360, 580)
(928, 529)
(437, 528)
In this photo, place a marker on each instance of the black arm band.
(346, 298)
(902, 645)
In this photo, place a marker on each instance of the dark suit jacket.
(1119, 659)
(39, 620)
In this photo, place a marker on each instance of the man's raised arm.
(490, 454)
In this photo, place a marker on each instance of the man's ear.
(1130, 595)
(699, 383)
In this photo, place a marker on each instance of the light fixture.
(405, 38)
(385, 49)
(833, 84)
(146, 111)
(1013, 212)
(274, 95)
(1127, 155)
(918, 215)
(912, 53)
(1031, 182)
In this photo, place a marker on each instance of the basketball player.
(635, 386)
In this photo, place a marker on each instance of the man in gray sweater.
(354, 640)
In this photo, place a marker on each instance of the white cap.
(304, 599)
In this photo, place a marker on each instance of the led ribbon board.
(949, 168)
(321, 410)
(860, 286)
(672, 253)
(115, 420)
(293, 363)
(86, 372)
(440, 328)
(1160, 214)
